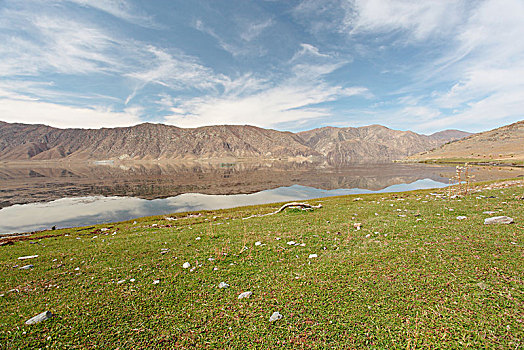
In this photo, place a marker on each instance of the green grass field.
(414, 276)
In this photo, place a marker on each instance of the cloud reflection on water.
(81, 211)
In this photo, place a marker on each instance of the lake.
(37, 197)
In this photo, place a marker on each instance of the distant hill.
(450, 135)
(368, 143)
(164, 142)
(504, 144)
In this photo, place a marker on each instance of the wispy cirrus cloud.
(63, 116)
(418, 20)
(296, 98)
(289, 102)
(470, 78)
(121, 9)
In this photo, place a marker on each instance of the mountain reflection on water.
(47, 182)
(38, 197)
(70, 212)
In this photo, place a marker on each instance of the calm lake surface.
(39, 197)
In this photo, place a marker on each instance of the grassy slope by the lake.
(412, 277)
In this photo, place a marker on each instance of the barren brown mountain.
(369, 143)
(163, 142)
(147, 141)
(505, 144)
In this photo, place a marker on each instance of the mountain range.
(149, 141)
(501, 145)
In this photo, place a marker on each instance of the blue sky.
(289, 65)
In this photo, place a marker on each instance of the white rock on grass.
(291, 243)
(275, 316)
(156, 281)
(120, 282)
(223, 285)
(39, 318)
(186, 265)
(462, 217)
(311, 256)
(245, 295)
(258, 243)
(498, 220)
(26, 267)
(28, 257)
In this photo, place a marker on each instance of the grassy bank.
(412, 276)
(474, 161)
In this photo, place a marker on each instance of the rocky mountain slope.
(504, 144)
(368, 143)
(147, 141)
(163, 142)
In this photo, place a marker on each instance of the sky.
(289, 65)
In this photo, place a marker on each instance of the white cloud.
(308, 50)
(54, 44)
(119, 8)
(420, 19)
(290, 102)
(36, 112)
(487, 65)
(253, 30)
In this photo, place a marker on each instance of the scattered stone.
(245, 295)
(26, 267)
(120, 282)
(462, 217)
(28, 257)
(223, 285)
(302, 244)
(39, 318)
(198, 238)
(186, 265)
(489, 212)
(132, 280)
(311, 256)
(258, 243)
(291, 243)
(156, 281)
(482, 285)
(357, 225)
(275, 316)
(104, 229)
(498, 220)
(77, 269)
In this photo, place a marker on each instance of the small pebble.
(275, 316)
(245, 295)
